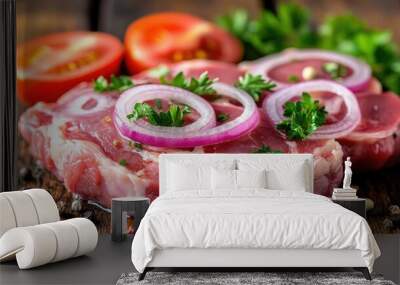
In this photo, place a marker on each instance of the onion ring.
(192, 135)
(357, 81)
(142, 93)
(84, 102)
(273, 107)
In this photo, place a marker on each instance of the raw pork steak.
(375, 143)
(89, 156)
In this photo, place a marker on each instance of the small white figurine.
(347, 174)
(76, 203)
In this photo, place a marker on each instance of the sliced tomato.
(49, 66)
(172, 37)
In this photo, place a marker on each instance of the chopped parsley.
(200, 86)
(266, 149)
(158, 104)
(172, 118)
(123, 162)
(293, 78)
(254, 85)
(303, 118)
(272, 31)
(116, 83)
(160, 71)
(222, 117)
(335, 70)
(138, 146)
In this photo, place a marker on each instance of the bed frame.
(242, 259)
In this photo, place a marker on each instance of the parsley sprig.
(116, 83)
(254, 85)
(123, 162)
(303, 118)
(160, 71)
(266, 149)
(335, 70)
(271, 32)
(172, 118)
(293, 78)
(199, 86)
(222, 117)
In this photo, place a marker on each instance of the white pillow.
(183, 177)
(251, 178)
(297, 180)
(223, 179)
(290, 175)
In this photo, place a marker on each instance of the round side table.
(120, 208)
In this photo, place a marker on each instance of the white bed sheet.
(250, 219)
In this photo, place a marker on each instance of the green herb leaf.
(117, 83)
(158, 104)
(200, 86)
(138, 146)
(254, 85)
(172, 118)
(270, 32)
(239, 24)
(266, 149)
(303, 118)
(222, 117)
(335, 70)
(160, 71)
(293, 78)
(123, 162)
(100, 84)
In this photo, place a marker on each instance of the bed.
(246, 211)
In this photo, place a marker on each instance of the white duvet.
(250, 219)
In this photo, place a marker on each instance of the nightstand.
(357, 205)
(121, 208)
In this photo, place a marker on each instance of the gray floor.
(110, 260)
(103, 266)
(389, 262)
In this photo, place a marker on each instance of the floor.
(103, 266)
(389, 262)
(110, 260)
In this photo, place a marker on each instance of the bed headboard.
(279, 163)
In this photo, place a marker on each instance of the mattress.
(251, 219)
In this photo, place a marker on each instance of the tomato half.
(49, 66)
(172, 37)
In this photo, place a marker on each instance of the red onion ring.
(191, 135)
(84, 102)
(357, 81)
(142, 93)
(273, 106)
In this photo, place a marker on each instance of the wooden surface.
(43, 16)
